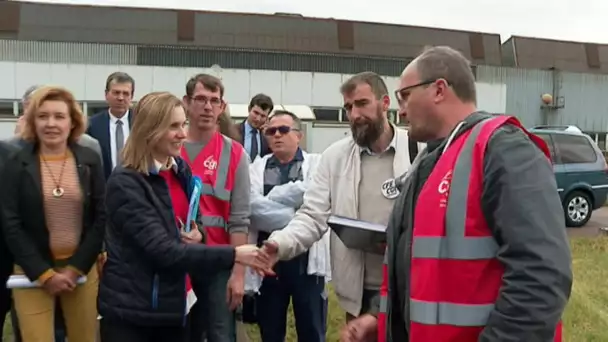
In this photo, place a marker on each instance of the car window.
(574, 149)
(547, 139)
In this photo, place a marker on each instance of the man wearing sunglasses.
(278, 183)
(355, 179)
(477, 246)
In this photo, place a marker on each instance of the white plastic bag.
(290, 194)
(268, 216)
(253, 282)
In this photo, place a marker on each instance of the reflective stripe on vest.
(213, 221)
(383, 304)
(456, 246)
(219, 190)
(384, 296)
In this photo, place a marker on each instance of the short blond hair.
(52, 93)
(153, 119)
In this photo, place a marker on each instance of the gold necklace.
(58, 190)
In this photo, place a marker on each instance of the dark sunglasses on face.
(270, 131)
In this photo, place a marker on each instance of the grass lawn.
(586, 318)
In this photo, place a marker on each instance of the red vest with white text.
(455, 277)
(216, 165)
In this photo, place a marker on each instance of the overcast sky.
(578, 20)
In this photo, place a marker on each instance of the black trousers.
(118, 331)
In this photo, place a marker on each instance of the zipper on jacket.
(155, 285)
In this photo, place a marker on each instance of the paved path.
(599, 219)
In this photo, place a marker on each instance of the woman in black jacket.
(144, 292)
(53, 218)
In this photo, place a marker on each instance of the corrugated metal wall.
(524, 88)
(266, 60)
(193, 57)
(59, 52)
(585, 96)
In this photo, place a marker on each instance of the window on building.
(6, 108)
(574, 149)
(180, 56)
(327, 114)
(95, 107)
(392, 116)
(21, 110)
(343, 115)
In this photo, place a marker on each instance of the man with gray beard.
(371, 159)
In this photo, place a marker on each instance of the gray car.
(580, 169)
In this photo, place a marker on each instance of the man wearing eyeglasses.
(223, 166)
(477, 246)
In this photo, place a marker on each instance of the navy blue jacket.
(143, 282)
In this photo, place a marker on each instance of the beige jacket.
(334, 190)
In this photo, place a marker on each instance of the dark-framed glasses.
(203, 100)
(403, 93)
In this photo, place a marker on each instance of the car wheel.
(577, 208)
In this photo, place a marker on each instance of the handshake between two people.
(261, 260)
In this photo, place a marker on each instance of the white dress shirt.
(125, 129)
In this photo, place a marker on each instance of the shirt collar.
(125, 118)
(274, 162)
(392, 145)
(158, 166)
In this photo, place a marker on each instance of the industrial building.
(300, 62)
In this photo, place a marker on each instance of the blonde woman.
(54, 218)
(144, 292)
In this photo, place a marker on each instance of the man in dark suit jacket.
(252, 136)
(111, 127)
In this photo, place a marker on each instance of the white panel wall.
(87, 82)
(492, 97)
(320, 136)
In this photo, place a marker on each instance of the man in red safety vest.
(223, 167)
(476, 246)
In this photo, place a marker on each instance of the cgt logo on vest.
(444, 189)
(210, 165)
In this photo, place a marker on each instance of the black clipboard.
(357, 234)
